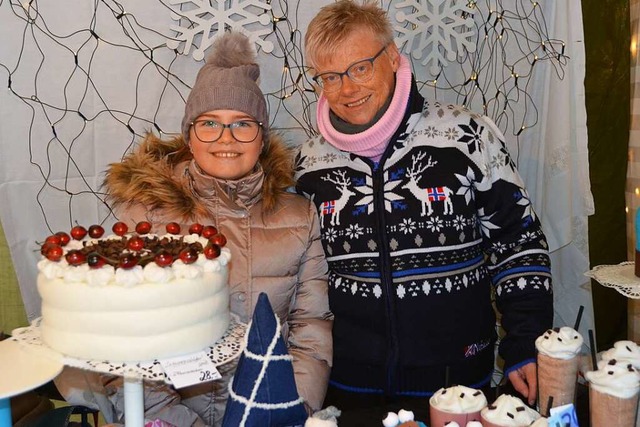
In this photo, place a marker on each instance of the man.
(424, 217)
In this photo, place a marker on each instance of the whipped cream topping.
(458, 400)
(624, 351)
(509, 411)
(615, 378)
(155, 274)
(474, 424)
(130, 276)
(101, 276)
(564, 343)
(151, 273)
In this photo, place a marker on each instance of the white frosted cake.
(133, 296)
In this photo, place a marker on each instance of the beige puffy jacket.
(273, 236)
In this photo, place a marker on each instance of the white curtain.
(81, 81)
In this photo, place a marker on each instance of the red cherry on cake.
(78, 232)
(209, 231)
(173, 228)
(212, 251)
(54, 240)
(75, 257)
(128, 261)
(96, 231)
(218, 239)
(143, 227)
(64, 238)
(163, 259)
(120, 228)
(136, 243)
(95, 260)
(188, 255)
(196, 229)
(53, 252)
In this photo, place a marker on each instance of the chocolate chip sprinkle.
(477, 393)
(510, 415)
(628, 349)
(520, 408)
(559, 339)
(461, 395)
(612, 362)
(491, 407)
(610, 372)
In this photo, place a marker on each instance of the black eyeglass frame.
(318, 78)
(227, 126)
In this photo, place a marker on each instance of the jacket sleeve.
(517, 253)
(310, 321)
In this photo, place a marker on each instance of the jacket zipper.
(386, 281)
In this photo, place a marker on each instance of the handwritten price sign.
(195, 368)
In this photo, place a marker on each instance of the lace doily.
(620, 277)
(224, 350)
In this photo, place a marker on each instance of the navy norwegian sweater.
(416, 245)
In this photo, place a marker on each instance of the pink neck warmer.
(372, 142)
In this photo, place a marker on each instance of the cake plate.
(227, 348)
(21, 371)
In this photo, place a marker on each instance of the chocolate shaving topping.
(559, 339)
(461, 395)
(520, 408)
(491, 407)
(628, 349)
(510, 415)
(444, 391)
(610, 372)
(612, 362)
(477, 393)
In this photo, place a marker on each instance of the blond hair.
(335, 22)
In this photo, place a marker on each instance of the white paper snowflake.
(436, 31)
(199, 21)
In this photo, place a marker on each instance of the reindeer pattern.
(427, 195)
(334, 207)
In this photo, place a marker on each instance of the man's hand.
(524, 380)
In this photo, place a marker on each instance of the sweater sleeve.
(516, 250)
(310, 322)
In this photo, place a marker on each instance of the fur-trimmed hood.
(155, 176)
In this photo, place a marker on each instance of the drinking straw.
(446, 377)
(549, 405)
(579, 318)
(592, 343)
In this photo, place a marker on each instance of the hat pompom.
(231, 49)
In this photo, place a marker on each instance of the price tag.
(563, 416)
(195, 368)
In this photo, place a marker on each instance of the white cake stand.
(223, 351)
(21, 371)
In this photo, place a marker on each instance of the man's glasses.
(241, 130)
(358, 72)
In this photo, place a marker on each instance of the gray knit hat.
(228, 81)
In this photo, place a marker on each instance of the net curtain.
(81, 81)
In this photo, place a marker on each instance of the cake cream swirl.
(127, 277)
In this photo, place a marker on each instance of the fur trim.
(148, 177)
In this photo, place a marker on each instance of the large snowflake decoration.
(436, 31)
(200, 20)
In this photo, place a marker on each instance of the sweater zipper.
(386, 281)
